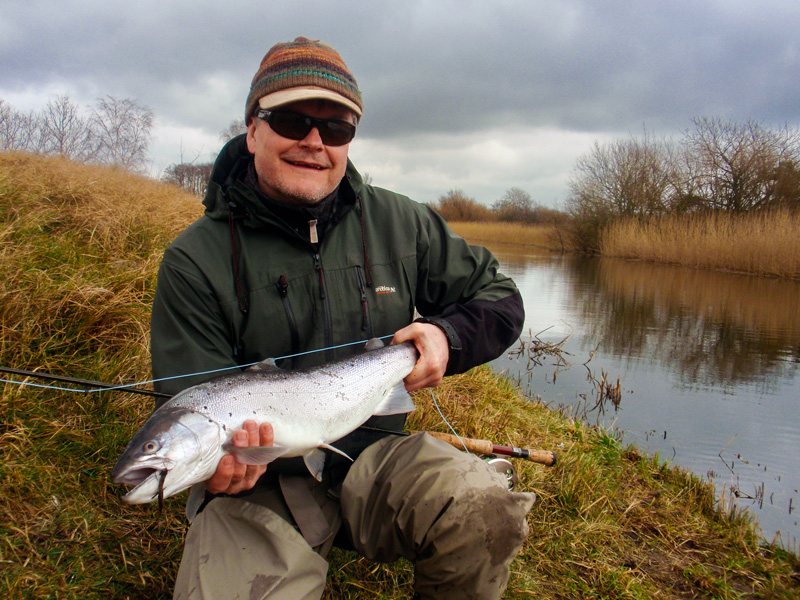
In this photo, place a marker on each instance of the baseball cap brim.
(296, 94)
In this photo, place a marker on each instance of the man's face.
(299, 171)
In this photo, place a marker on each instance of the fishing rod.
(76, 381)
(547, 458)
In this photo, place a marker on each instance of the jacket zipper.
(326, 308)
(283, 292)
(366, 323)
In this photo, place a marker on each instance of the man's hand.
(434, 352)
(232, 476)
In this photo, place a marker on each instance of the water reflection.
(709, 328)
(708, 364)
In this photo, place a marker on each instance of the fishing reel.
(505, 468)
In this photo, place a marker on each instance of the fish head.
(176, 448)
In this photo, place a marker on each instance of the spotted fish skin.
(309, 409)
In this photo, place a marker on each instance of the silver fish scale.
(307, 406)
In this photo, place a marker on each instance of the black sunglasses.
(295, 126)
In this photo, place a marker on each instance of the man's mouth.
(306, 165)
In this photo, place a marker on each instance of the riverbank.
(540, 236)
(80, 247)
(758, 243)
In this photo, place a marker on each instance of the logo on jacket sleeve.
(385, 289)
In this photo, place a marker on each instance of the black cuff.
(453, 340)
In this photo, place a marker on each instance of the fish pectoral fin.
(397, 401)
(315, 462)
(256, 455)
(332, 449)
(196, 497)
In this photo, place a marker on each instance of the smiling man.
(296, 257)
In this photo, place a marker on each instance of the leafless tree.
(740, 166)
(192, 178)
(65, 132)
(455, 205)
(515, 205)
(622, 178)
(236, 127)
(19, 131)
(122, 129)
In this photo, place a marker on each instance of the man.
(296, 254)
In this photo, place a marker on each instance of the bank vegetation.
(80, 246)
(726, 196)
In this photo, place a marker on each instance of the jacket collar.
(231, 188)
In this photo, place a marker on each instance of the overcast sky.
(478, 95)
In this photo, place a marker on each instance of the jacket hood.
(227, 187)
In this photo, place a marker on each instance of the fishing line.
(134, 384)
(441, 414)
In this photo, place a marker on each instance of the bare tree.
(455, 205)
(624, 178)
(236, 127)
(19, 131)
(65, 132)
(740, 166)
(515, 205)
(122, 128)
(192, 178)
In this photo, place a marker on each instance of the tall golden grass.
(762, 243)
(542, 236)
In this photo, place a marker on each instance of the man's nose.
(313, 139)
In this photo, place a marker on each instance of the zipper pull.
(363, 292)
(312, 231)
(318, 267)
(283, 286)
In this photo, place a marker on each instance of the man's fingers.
(231, 476)
(266, 435)
(221, 479)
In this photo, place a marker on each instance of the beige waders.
(415, 496)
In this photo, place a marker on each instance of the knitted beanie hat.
(301, 70)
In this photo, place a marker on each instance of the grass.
(541, 236)
(80, 247)
(760, 243)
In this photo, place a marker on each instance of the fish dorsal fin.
(265, 366)
(374, 344)
(397, 401)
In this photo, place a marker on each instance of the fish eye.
(150, 447)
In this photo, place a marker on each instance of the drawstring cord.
(241, 295)
(367, 268)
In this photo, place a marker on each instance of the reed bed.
(80, 248)
(541, 236)
(759, 243)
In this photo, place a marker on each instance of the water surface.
(707, 364)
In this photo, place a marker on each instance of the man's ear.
(251, 135)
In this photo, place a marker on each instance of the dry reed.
(542, 236)
(761, 243)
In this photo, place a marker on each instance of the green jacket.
(245, 282)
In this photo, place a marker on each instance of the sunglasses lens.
(296, 127)
(289, 125)
(336, 133)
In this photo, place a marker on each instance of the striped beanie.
(302, 70)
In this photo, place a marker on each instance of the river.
(707, 365)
